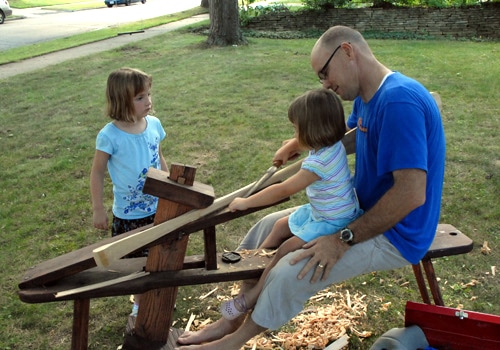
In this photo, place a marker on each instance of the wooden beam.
(108, 253)
(157, 306)
(197, 195)
(100, 282)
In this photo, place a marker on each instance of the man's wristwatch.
(346, 236)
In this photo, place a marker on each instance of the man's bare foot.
(213, 331)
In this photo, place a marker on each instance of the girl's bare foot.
(213, 331)
(225, 343)
(233, 340)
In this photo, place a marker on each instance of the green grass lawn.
(224, 111)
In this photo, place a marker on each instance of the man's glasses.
(323, 74)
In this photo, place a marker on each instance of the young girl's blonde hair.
(319, 117)
(122, 86)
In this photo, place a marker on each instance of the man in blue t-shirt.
(400, 156)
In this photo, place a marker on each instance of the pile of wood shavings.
(328, 316)
(317, 326)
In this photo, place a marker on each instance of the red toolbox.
(453, 329)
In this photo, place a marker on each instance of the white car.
(5, 10)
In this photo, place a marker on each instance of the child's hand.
(289, 150)
(238, 204)
(100, 219)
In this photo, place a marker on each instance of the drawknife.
(269, 172)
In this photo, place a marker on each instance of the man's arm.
(407, 194)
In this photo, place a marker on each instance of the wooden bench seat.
(194, 272)
(448, 241)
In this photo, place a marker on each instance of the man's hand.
(323, 253)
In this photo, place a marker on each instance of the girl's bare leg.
(279, 234)
(290, 245)
(218, 329)
(250, 289)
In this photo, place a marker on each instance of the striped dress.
(332, 199)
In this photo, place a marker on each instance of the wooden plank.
(251, 266)
(198, 195)
(448, 328)
(128, 266)
(104, 255)
(449, 241)
(66, 265)
(82, 259)
(90, 287)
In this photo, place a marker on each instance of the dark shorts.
(122, 225)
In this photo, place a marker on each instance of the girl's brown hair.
(123, 85)
(319, 118)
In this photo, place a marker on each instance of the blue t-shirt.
(131, 155)
(400, 128)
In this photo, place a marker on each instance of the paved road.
(40, 25)
(35, 63)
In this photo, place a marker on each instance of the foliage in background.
(328, 4)
(249, 11)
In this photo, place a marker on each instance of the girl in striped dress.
(318, 119)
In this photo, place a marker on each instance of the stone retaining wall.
(471, 22)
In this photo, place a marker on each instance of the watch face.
(346, 235)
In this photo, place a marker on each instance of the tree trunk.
(224, 23)
(204, 3)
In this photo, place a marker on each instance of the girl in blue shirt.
(127, 147)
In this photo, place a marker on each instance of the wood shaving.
(485, 250)
(470, 284)
(385, 306)
(209, 293)
(269, 254)
(188, 325)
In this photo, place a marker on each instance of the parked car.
(5, 10)
(110, 3)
